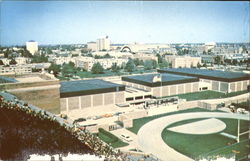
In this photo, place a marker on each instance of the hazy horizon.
(79, 22)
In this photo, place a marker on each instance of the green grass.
(111, 139)
(208, 95)
(196, 146)
(138, 123)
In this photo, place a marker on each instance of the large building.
(32, 46)
(183, 61)
(161, 85)
(41, 90)
(15, 69)
(221, 81)
(92, 46)
(90, 93)
(103, 44)
(144, 47)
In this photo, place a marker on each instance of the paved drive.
(150, 140)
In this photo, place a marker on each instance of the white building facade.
(32, 46)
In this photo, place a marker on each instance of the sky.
(77, 22)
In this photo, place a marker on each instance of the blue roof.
(87, 87)
(166, 79)
(7, 80)
(208, 74)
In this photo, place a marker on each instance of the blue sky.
(62, 22)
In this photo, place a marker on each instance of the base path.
(150, 140)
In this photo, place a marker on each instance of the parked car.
(79, 120)
(126, 137)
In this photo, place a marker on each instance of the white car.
(126, 138)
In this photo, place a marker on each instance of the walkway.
(150, 140)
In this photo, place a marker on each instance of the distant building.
(15, 69)
(183, 61)
(209, 46)
(32, 46)
(22, 60)
(144, 56)
(88, 62)
(208, 59)
(92, 46)
(103, 44)
(144, 47)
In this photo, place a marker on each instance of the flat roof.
(166, 79)
(7, 80)
(224, 76)
(88, 87)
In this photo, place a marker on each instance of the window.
(204, 88)
(130, 99)
(147, 96)
(139, 97)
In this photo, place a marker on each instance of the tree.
(97, 68)
(148, 65)
(13, 62)
(137, 61)
(217, 60)
(7, 53)
(39, 59)
(115, 68)
(160, 59)
(164, 64)
(234, 62)
(198, 65)
(25, 53)
(55, 68)
(205, 65)
(130, 66)
(1, 62)
(69, 69)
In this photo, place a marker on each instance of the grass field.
(138, 123)
(196, 146)
(111, 139)
(208, 95)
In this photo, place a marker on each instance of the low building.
(161, 85)
(15, 69)
(90, 93)
(88, 62)
(145, 56)
(221, 81)
(183, 61)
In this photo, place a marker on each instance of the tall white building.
(103, 44)
(32, 46)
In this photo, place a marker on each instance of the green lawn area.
(138, 123)
(208, 95)
(111, 139)
(196, 146)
